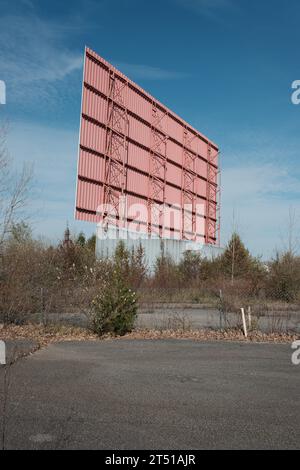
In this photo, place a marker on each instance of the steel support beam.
(116, 153)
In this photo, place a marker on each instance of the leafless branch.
(13, 192)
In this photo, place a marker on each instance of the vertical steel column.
(212, 222)
(157, 171)
(188, 190)
(116, 153)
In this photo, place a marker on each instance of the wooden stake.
(244, 322)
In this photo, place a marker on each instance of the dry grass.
(52, 334)
(213, 335)
(45, 335)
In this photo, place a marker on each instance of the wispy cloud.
(146, 72)
(260, 195)
(33, 56)
(261, 181)
(208, 8)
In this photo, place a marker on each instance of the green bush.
(130, 264)
(114, 309)
(190, 267)
(236, 261)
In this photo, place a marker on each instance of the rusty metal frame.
(116, 153)
(157, 172)
(213, 197)
(188, 190)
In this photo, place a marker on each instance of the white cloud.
(147, 72)
(261, 197)
(32, 55)
(261, 180)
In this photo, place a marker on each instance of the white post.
(2, 353)
(249, 317)
(244, 322)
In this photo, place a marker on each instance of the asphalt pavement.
(164, 394)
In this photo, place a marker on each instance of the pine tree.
(81, 239)
(236, 261)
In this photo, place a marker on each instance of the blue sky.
(226, 66)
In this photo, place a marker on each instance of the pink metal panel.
(201, 168)
(174, 152)
(139, 132)
(202, 148)
(202, 188)
(137, 183)
(138, 105)
(174, 174)
(113, 105)
(138, 157)
(91, 166)
(173, 194)
(94, 106)
(96, 76)
(134, 202)
(92, 136)
(200, 200)
(175, 129)
(100, 60)
(89, 195)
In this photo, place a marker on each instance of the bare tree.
(14, 191)
(293, 240)
(233, 248)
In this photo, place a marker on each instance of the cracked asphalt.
(160, 394)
